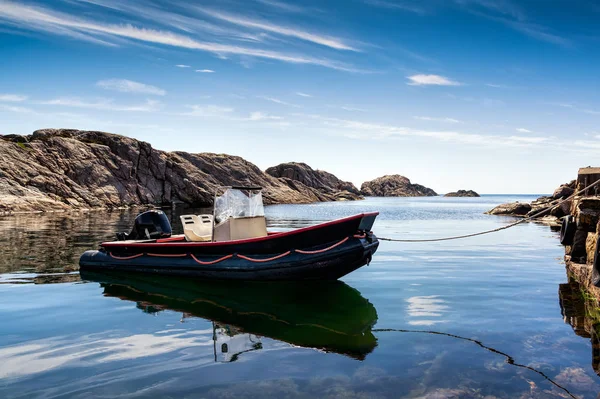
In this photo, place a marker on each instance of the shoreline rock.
(394, 186)
(462, 193)
(68, 169)
(542, 207)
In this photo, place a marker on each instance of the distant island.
(394, 186)
(462, 193)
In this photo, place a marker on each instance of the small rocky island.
(462, 193)
(394, 186)
(66, 169)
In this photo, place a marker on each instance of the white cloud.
(299, 93)
(260, 116)
(10, 108)
(405, 6)
(523, 130)
(532, 140)
(347, 108)
(429, 118)
(58, 23)
(103, 104)
(278, 101)
(328, 41)
(129, 86)
(497, 86)
(437, 80)
(182, 66)
(12, 97)
(209, 111)
(205, 70)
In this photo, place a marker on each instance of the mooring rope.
(535, 215)
(509, 359)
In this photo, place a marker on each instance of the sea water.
(471, 318)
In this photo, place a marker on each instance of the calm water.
(475, 318)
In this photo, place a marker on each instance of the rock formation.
(61, 169)
(541, 207)
(327, 185)
(462, 193)
(394, 186)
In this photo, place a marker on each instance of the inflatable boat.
(233, 244)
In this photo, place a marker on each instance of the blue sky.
(497, 96)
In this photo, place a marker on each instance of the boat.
(233, 243)
(326, 315)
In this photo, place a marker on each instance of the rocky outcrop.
(329, 187)
(462, 193)
(544, 207)
(61, 169)
(394, 186)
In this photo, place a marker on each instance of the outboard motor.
(147, 226)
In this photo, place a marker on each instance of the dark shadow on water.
(330, 316)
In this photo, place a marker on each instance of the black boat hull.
(328, 261)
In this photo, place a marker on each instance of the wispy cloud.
(299, 93)
(205, 70)
(288, 7)
(12, 108)
(523, 130)
(497, 86)
(129, 86)
(182, 66)
(328, 41)
(578, 108)
(429, 118)
(352, 109)
(12, 97)
(278, 101)
(261, 116)
(209, 111)
(58, 23)
(509, 14)
(103, 104)
(398, 5)
(436, 80)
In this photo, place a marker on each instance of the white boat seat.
(197, 227)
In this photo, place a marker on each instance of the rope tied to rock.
(508, 226)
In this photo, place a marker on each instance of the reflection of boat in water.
(327, 315)
(583, 315)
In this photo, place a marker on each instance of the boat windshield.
(237, 203)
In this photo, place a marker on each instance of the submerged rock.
(62, 169)
(328, 185)
(394, 186)
(462, 193)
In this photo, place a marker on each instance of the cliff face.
(394, 186)
(60, 169)
(329, 186)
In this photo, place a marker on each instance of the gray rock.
(394, 186)
(62, 169)
(462, 193)
(513, 208)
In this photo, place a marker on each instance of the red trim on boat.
(118, 244)
(211, 262)
(322, 250)
(264, 260)
(167, 255)
(179, 237)
(125, 257)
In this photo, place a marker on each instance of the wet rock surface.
(328, 187)
(62, 169)
(394, 186)
(462, 193)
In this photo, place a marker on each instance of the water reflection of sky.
(69, 340)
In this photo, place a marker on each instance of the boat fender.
(596, 266)
(567, 230)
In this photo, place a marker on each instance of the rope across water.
(508, 226)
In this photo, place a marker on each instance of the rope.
(264, 260)
(535, 215)
(322, 250)
(509, 359)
